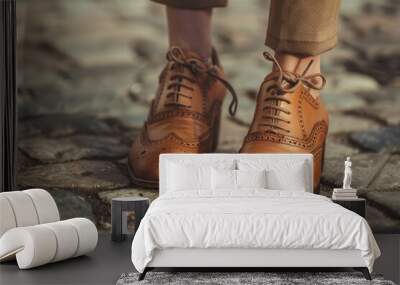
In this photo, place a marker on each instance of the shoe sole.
(154, 184)
(148, 184)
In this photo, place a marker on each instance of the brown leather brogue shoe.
(184, 116)
(288, 119)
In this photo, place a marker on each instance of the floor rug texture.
(244, 278)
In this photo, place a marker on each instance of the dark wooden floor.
(103, 266)
(110, 260)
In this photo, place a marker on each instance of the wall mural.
(87, 71)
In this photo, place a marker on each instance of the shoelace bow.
(286, 82)
(196, 66)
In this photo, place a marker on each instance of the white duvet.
(250, 219)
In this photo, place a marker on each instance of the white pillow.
(223, 179)
(181, 177)
(228, 179)
(281, 174)
(292, 180)
(251, 179)
(217, 164)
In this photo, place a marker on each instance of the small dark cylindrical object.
(119, 209)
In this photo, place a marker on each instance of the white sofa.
(31, 231)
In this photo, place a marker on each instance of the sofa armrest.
(41, 244)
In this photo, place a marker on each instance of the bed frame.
(242, 259)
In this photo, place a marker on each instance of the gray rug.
(243, 278)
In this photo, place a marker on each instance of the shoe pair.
(185, 115)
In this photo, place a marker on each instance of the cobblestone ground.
(88, 69)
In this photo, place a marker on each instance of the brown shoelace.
(287, 82)
(196, 66)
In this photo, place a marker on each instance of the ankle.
(298, 64)
(203, 54)
(190, 30)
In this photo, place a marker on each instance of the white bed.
(248, 227)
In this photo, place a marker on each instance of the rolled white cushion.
(45, 205)
(23, 208)
(7, 218)
(87, 233)
(33, 246)
(26, 208)
(67, 240)
(41, 244)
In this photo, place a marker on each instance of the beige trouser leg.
(193, 4)
(307, 27)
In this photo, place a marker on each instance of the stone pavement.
(88, 70)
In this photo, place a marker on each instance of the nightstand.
(356, 205)
(121, 208)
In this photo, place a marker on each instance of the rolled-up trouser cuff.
(307, 27)
(300, 47)
(190, 4)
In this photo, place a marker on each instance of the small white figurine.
(347, 174)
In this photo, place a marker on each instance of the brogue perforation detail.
(178, 113)
(146, 141)
(204, 95)
(311, 100)
(301, 117)
(271, 137)
(176, 139)
(185, 115)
